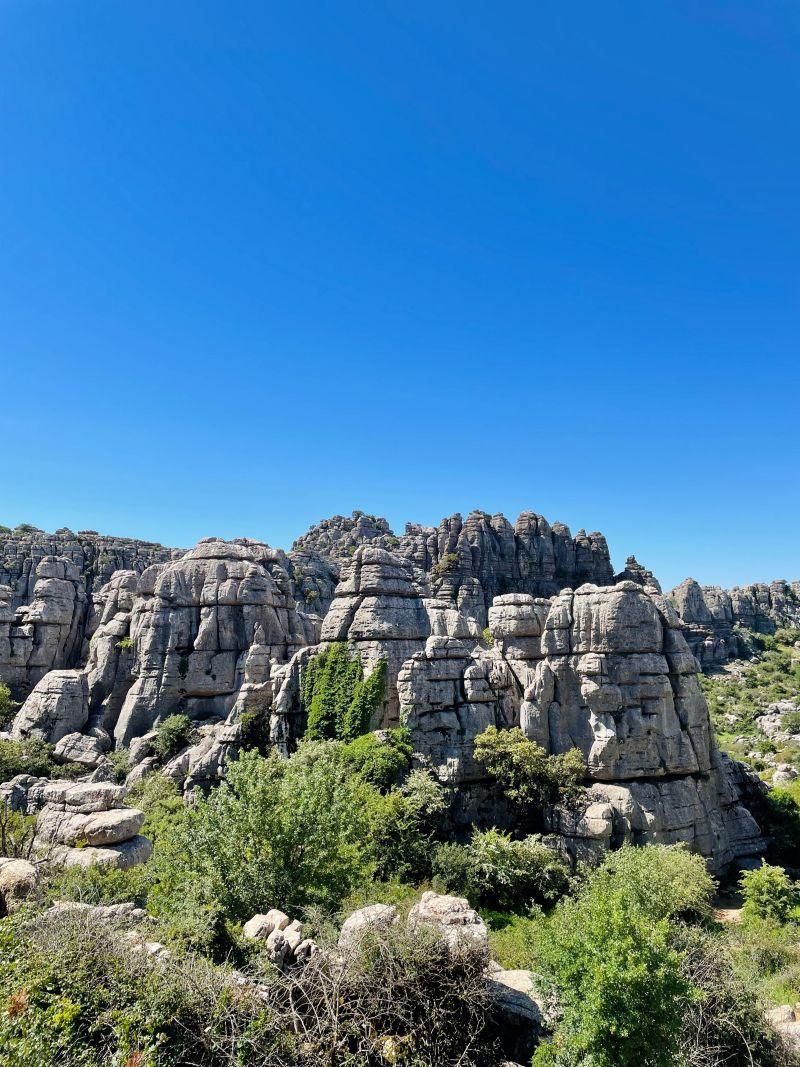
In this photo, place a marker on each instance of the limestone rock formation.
(95, 556)
(453, 918)
(711, 615)
(85, 824)
(46, 632)
(383, 612)
(618, 682)
(474, 560)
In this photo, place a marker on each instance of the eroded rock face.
(58, 705)
(711, 616)
(192, 625)
(474, 560)
(47, 632)
(451, 690)
(383, 612)
(618, 682)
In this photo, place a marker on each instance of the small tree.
(769, 894)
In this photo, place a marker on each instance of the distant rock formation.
(468, 562)
(711, 615)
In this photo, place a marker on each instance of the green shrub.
(527, 774)
(662, 881)
(787, 635)
(499, 872)
(172, 734)
(278, 832)
(446, 565)
(769, 894)
(488, 638)
(618, 980)
(405, 823)
(26, 757)
(120, 761)
(78, 994)
(380, 758)
(160, 800)
(338, 701)
(8, 707)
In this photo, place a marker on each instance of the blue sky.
(262, 263)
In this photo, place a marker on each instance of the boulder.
(453, 919)
(19, 880)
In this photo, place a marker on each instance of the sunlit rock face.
(474, 560)
(200, 635)
(605, 670)
(619, 682)
(192, 624)
(713, 618)
(383, 611)
(45, 633)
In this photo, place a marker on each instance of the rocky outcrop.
(201, 635)
(384, 613)
(474, 560)
(619, 683)
(451, 690)
(192, 624)
(712, 617)
(59, 705)
(605, 670)
(635, 572)
(86, 824)
(338, 538)
(47, 632)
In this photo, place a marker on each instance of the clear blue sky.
(261, 263)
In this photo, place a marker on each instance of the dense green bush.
(527, 774)
(405, 824)
(662, 881)
(769, 894)
(172, 734)
(380, 758)
(618, 979)
(609, 953)
(499, 872)
(338, 701)
(278, 832)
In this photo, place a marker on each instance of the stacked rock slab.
(86, 824)
(711, 616)
(619, 683)
(451, 690)
(47, 632)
